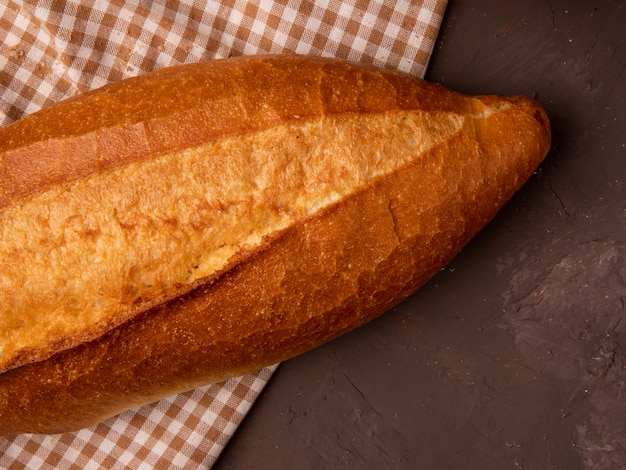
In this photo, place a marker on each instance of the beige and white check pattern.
(50, 50)
(184, 431)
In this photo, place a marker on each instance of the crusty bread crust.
(361, 242)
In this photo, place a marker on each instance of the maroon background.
(513, 357)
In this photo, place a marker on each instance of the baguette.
(205, 220)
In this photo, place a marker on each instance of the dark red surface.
(514, 356)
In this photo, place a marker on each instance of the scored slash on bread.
(205, 220)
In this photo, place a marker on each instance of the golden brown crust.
(134, 121)
(307, 283)
(178, 107)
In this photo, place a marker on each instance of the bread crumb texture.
(118, 201)
(83, 256)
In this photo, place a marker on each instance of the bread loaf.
(202, 221)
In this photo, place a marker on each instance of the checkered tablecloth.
(50, 50)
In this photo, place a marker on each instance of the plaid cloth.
(50, 50)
